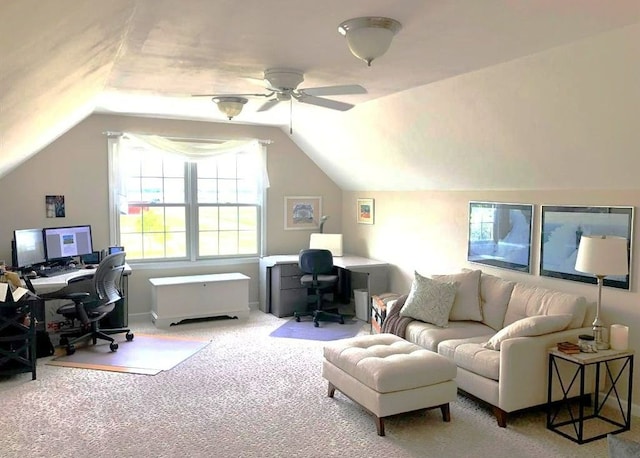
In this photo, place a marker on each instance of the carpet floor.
(246, 395)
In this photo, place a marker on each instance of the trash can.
(361, 297)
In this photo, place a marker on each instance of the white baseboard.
(147, 315)
(635, 408)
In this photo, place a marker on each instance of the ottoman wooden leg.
(331, 390)
(446, 413)
(380, 425)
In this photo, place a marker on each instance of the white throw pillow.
(530, 326)
(466, 305)
(429, 300)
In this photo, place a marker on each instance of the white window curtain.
(192, 150)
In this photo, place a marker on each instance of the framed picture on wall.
(365, 211)
(561, 229)
(500, 235)
(302, 213)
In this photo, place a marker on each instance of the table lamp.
(601, 256)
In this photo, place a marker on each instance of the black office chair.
(317, 265)
(93, 299)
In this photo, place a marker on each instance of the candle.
(619, 337)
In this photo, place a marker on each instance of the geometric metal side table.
(590, 422)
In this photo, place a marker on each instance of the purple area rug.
(327, 330)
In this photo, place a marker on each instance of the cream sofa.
(498, 333)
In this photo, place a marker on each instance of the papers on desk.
(16, 294)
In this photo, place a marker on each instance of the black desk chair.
(93, 298)
(318, 268)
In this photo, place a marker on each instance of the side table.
(589, 422)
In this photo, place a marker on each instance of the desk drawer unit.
(198, 296)
(287, 294)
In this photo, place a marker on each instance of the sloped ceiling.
(60, 61)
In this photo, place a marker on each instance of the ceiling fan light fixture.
(369, 37)
(230, 106)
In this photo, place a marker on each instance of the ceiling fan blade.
(232, 95)
(326, 103)
(268, 105)
(334, 90)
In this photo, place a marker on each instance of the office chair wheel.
(341, 320)
(70, 350)
(316, 323)
(297, 319)
(113, 346)
(129, 336)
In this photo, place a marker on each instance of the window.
(481, 223)
(180, 200)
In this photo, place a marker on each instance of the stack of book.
(568, 347)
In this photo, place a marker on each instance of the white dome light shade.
(230, 106)
(369, 37)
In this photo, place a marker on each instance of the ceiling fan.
(282, 86)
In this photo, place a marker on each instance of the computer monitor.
(28, 248)
(115, 249)
(66, 242)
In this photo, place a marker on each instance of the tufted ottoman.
(387, 375)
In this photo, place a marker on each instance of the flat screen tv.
(500, 235)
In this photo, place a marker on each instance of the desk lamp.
(602, 255)
(322, 221)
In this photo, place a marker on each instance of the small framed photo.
(302, 213)
(365, 211)
(55, 206)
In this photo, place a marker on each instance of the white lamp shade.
(230, 106)
(369, 43)
(602, 255)
(369, 37)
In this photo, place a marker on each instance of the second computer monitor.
(65, 242)
(28, 248)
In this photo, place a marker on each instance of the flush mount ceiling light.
(230, 106)
(369, 37)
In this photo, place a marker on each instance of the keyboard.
(58, 270)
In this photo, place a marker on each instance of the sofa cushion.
(429, 336)
(532, 300)
(469, 354)
(466, 305)
(495, 294)
(429, 300)
(530, 326)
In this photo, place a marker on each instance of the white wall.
(568, 118)
(76, 166)
(556, 128)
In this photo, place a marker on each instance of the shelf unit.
(18, 337)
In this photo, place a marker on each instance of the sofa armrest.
(524, 364)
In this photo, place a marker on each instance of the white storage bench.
(198, 296)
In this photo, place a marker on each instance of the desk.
(55, 323)
(577, 425)
(280, 289)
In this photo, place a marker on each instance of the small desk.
(370, 274)
(573, 428)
